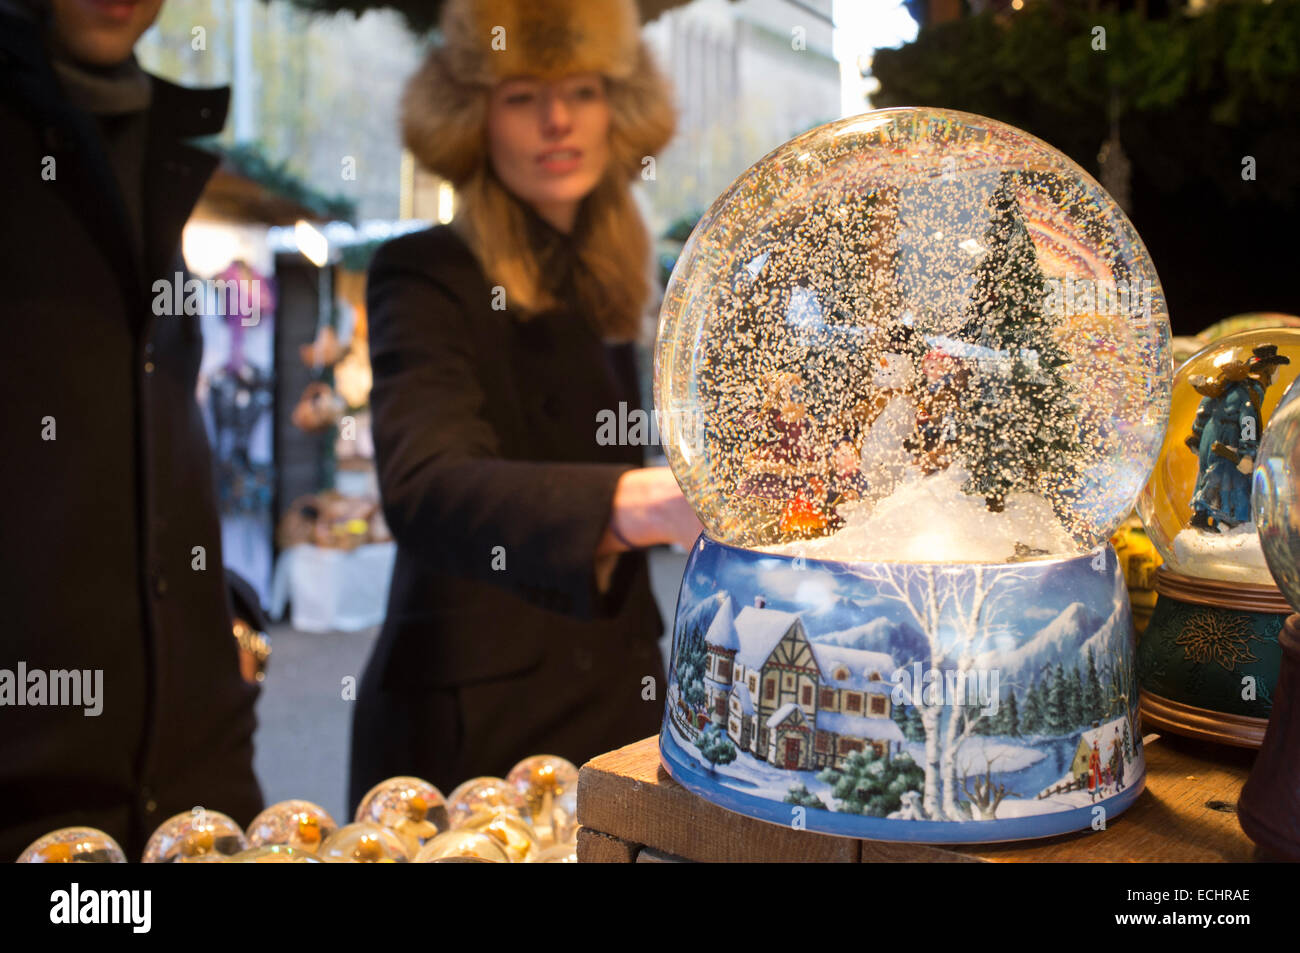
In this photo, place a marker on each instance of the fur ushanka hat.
(444, 108)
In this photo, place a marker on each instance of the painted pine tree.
(715, 747)
(908, 719)
(1031, 720)
(1017, 430)
(1078, 699)
(1010, 716)
(1058, 702)
(1094, 705)
(800, 795)
(865, 784)
(692, 658)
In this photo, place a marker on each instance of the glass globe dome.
(274, 854)
(294, 823)
(485, 794)
(197, 836)
(364, 843)
(412, 808)
(456, 843)
(73, 845)
(549, 786)
(512, 834)
(1196, 506)
(1275, 497)
(559, 854)
(913, 335)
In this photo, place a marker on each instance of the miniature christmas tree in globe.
(912, 371)
(1024, 412)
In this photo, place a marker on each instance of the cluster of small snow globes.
(529, 816)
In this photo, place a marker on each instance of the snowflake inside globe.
(915, 336)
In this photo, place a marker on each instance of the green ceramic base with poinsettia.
(1209, 658)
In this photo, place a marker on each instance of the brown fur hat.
(444, 107)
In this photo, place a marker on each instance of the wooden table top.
(629, 805)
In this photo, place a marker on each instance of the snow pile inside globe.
(1275, 499)
(1197, 505)
(915, 336)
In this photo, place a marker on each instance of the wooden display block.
(631, 810)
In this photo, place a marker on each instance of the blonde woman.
(520, 618)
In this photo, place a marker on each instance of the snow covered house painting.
(790, 702)
(795, 684)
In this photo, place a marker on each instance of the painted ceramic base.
(826, 696)
(1208, 661)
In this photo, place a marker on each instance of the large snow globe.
(1208, 660)
(912, 372)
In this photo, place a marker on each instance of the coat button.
(148, 367)
(159, 585)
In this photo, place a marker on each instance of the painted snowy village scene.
(781, 691)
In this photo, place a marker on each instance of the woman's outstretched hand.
(649, 510)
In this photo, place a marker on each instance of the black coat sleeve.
(448, 494)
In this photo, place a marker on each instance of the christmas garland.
(249, 160)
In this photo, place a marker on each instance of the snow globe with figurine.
(912, 372)
(1208, 660)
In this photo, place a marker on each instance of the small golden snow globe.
(73, 845)
(1209, 658)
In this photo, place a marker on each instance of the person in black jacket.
(111, 549)
(520, 618)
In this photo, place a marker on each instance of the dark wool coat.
(486, 439)
(97, 562)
